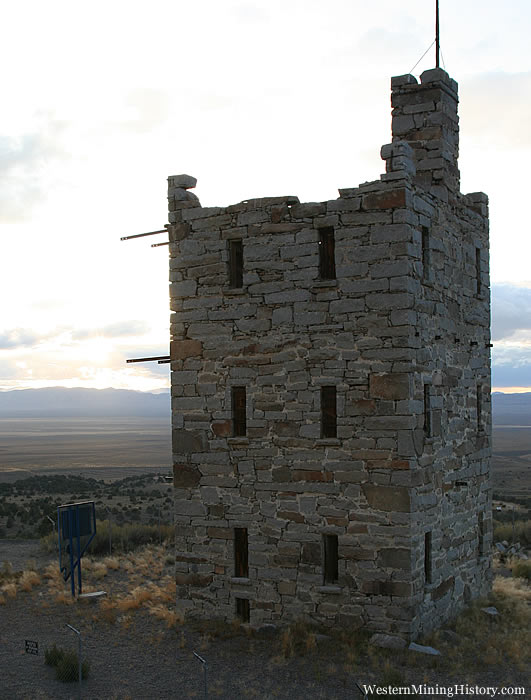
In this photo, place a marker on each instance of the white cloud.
(511, 311)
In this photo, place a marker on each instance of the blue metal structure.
(74, 522)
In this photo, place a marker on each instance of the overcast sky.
(102, 101)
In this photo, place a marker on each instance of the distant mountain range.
(58, 402)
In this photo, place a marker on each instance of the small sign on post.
(32, 647)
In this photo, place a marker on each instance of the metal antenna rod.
(437, 41)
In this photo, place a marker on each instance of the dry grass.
(297, 638)
(171, 617)
(9, 590)
(29, 580)
(138, 597)
(516, 588)
(112, 563)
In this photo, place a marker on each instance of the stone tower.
(331, 391)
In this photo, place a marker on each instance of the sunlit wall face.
(254, 98)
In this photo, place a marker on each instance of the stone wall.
(403, 335)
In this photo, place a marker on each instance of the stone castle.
(330, 373)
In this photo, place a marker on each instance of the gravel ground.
(135, 656)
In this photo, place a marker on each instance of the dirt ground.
(139, 650)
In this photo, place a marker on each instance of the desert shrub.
(522, 569)
(504, 531)
(66, 664)
(125, 538)
(53, 655)
(29, 579)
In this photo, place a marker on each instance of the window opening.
(242, 609)
(236, 263)
(427, 410)
(328, 412)
(479, 412)
(427, 558)
(239, 410)
(330, 547)
(327, 262)
(478, 270)
(426, 271)
(241, 553)
(481, 534)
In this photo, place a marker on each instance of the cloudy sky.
(102, 101)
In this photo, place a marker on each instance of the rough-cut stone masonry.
(402, 333)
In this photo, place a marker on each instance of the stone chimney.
(425, 116)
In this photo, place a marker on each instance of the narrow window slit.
(236, 263)
(427, 558)
(479, 412)
(241, 553)
(328, 412)
(478, 270)
(327, 261)
(481, 534)
(330, 547)
(427, 410)
(426, 270)
(242, 609)
(239, 410)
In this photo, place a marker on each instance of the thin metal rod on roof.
(150, 359)
(437, 37)
(157, 245)
(165, 361)
(141, 235)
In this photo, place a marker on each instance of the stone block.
(311, 553)
(443, 588)
(188, 441)
(387, 498)
(184, 181)
(222, 428)
(185, 476)
(199, 580)
(395, 558)
(390, 199)
(182, 290)
(220, 533)
(390, 386)
(190, 508)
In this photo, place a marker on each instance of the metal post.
(71, 553)
(79, 656)
(437, 42)
(110, 531)
(205, 673)
(53, 526)
(78, 539)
